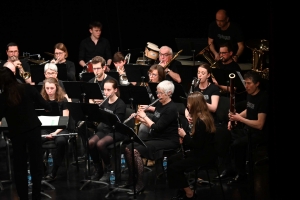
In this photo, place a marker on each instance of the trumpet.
(207, 54)
(135, 114)
(23, 74)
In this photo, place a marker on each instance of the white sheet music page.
(49, 120)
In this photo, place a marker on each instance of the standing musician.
(94, 46)
(165, 56)
(209, 90)
(52, 92)
(11, 66)
(24, 130)
(254, 120)
(104, 136)
(12, 52)
(163, 126)
(223, 30)
(60, 57)
(200, 142)
(99, 68)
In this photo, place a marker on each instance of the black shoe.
(98, 172)
(139, 189)
(50, 177)
(240, 178)
(226, 174)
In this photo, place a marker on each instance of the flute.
(104, 100)
(134, 114)
(63, 134)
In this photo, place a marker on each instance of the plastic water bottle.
(165, 162)
(112, 178)
(28, 177)
(123, 162)
(50, 160)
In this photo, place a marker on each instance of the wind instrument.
(194, 84)
(104, 100)
(176, 55)
(232, 98)
(135, 114)
(23, 74)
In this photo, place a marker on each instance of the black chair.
(222, 140)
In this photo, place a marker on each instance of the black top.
(26, 68)
(71, 71)
(88, 49)
(165, 122)
(101, 83)
(22, 118)
(174, 67)
(231, 66)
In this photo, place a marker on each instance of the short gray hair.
(166, 86)
(51, 66)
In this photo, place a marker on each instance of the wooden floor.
(70, 189)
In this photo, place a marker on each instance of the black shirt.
(88, 49)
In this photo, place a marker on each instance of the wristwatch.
(168, 70)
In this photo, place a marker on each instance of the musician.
(163, 126)
(199, 141)
(12, 52)
(254, 118)
(99, 69)
(165, 56)
(222, 30)
(24, 130)
(119, 62)
(60, 57)
(50, 70)
(209, 90)
(11, 66)
(104, 134)
(95, 46)
(53, 92)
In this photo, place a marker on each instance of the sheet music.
(240, 76)
(49, 120)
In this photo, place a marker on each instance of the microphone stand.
(193, 51)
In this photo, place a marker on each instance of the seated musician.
(254, 119)
(119, 62)
(209, 90)
(200, 143)
(99, 68)
(163, 126)
(103, 137)
(53, 92)
(165, 57)
(50, 70)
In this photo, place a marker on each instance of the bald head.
(11, 66)
(222, 19)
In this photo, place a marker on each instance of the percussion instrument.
(151, 51)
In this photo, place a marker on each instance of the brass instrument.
(135, 114)
(232, 98)
(176, 55)
(23, 74)
(208, 55)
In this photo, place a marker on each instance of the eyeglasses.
(51, 73)
(164, 55)
(13, 51)
(223, 53)
(159, 93)
(97, 68)
(58, 53)
(151, 74)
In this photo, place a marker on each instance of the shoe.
(98, 172)
(240, 178)
(226, 174)
(138, 190)
(105, 177)
(50, 177)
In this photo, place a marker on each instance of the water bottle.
(50, 160)
(28, 177)
(112, 178)
(123, 162)
(165, 161)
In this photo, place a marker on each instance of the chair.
(222, 140)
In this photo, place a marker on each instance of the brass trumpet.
(23, 74)
(207, 54)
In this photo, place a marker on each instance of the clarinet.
(232, 98)
(183, 149)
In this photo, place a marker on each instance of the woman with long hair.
(199, 141)
(52, 92)
(24, 130)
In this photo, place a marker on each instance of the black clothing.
(231, 66)
(101, 83)
(164, 131)
(232, 34)
(202, 151)
(26, 68)
(88, 49)
(71, 70)
(24, 131)
(174, 65)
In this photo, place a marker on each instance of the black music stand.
(178, 92)
(153, 87)
(62, 71)
(74, 89)
(93, 91)
(126, 130)
(136, 73)
(114, 74)
(85, 112)
(134, 95)
(85, 77)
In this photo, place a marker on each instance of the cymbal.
(50, 54)
(258, 44)
(36, 61)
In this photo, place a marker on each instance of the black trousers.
(20, 143)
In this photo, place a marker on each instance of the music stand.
(153, 87)
(62, 71)
(85, 77)
(136, 73)
(113, 74)
(134, 95)
(84, 112)
(93, 91)
(178, 92)
(54, 109)
(124, 129)
(74, 89)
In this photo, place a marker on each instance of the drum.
(90, 68)
(151, 51)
